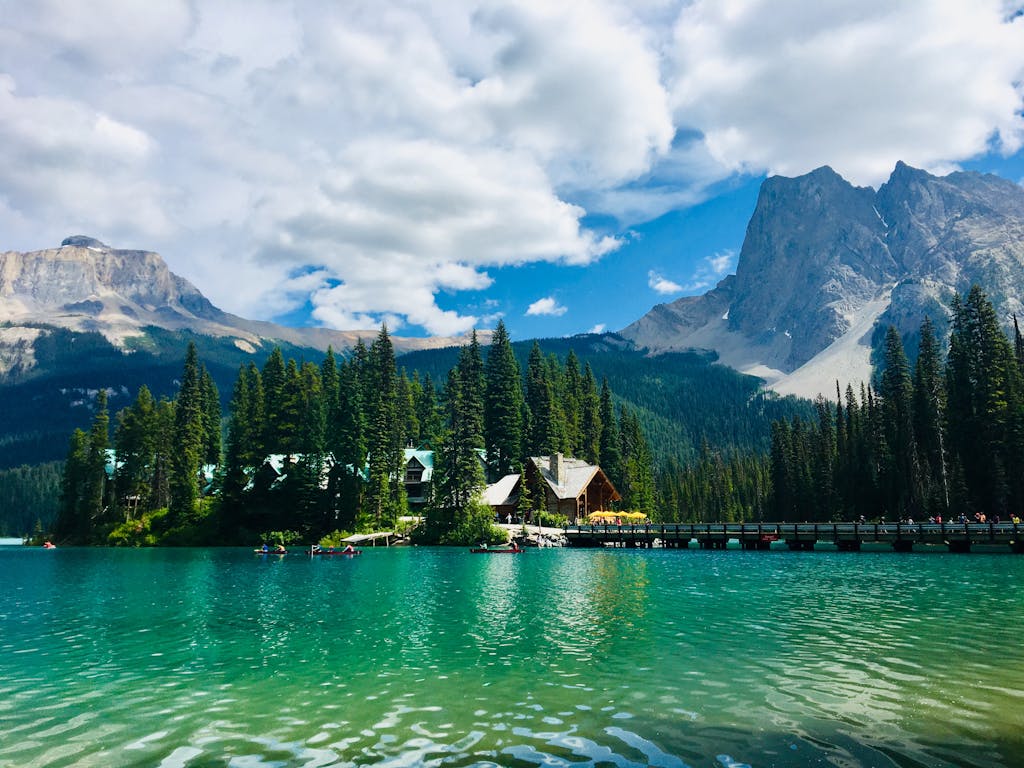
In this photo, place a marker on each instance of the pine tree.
(211, 419)
(457, 471)
(611, 454)
(273, 379)
(347, 438)
(236, 456)
(929, 418)
(384, 499)
(135, 447)
(428, 413)
(638, 473)
(95, 501)
(570, 405)
(503, 407)
(73, 523)
(189, 432)
(902, 480)
(409, 425)
(983, 386)
(590, 419)
(544, 438)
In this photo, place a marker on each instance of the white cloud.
(403, 150)
(546, 306)
(784, 87)
(710, 270)
(661, 284)
(599, 328)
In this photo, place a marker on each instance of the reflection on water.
(550, 658)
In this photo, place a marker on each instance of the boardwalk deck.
(902, 537)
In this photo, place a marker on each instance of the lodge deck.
(902, 537)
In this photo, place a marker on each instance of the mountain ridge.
(86, 286)
(824, 265)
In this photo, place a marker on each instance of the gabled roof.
(424, 458)
(576, 476)
(501, 493)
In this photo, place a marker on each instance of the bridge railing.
(825, 531)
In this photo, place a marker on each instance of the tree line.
(946, 438)
(340, 429)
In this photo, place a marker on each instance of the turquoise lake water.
(407, 657)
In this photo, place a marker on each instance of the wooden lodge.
(571, 487)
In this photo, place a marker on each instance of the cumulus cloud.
(546, 306)
(661, 284)
(598, 328)
(710, 270)
(388, 154)
(783, 87)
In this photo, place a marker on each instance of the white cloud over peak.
(546, 306)
(661, 284)
(710, 270)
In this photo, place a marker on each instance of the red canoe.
(496, 551)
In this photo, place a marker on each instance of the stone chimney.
(557, 468)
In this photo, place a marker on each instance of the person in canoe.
(280, 550)
(348, 550)
(514, 545)
(265, 548)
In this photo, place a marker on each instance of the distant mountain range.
(825, 267)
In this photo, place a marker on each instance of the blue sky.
(440, 164)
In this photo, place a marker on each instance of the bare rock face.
(84, 273)
(85, 285)
(824, 264)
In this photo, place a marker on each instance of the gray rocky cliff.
(824, 264)
(87, 286)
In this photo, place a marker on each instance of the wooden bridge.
(902, 537)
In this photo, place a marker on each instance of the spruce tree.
(983, 386)
(929, 419)
(189, 433)
(95, 495)
(901, 477)
(590, 419)
(385, 491)
(457, 471)
(611, 454)
(211, 419)
(428, 413)
(272, 380)
(503, 407)
(73, 523)
(236, 465)
(135, 447)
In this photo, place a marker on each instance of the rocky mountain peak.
(85, 285)
(824, 263)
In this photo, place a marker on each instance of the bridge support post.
(800, 545)
(961, 546)
(848, 546)
(902, 545)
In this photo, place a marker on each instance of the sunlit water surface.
(407, 657)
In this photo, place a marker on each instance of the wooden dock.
(849, 537)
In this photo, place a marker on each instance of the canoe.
(477, 551)
(268, 552)
(337, 552)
